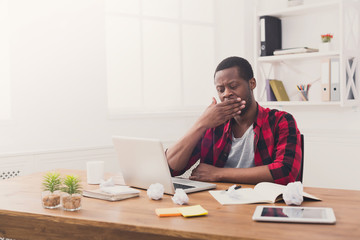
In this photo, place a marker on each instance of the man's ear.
(252, 83)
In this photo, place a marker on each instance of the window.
(160, 55)
(5, 100)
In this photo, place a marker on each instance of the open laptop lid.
(143, 162)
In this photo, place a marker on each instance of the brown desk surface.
(23, 217)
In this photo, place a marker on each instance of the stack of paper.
(295, 50)
(113, 193)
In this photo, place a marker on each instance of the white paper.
(180, 197)
(155, 191)
(119, 190)
(239, 196)
(293, 194)
(107, 183)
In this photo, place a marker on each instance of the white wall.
(58, 72)
(58, 88)
(58, 76)
(230, 31)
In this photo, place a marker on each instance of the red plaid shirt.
(277, 144)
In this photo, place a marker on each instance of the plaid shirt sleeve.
(195, 156)
(279, 147)
(213, 148)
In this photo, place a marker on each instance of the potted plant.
(71, 198)
(325, 42)
(51, 186)
(326, 37)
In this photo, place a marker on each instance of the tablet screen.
(297, 212)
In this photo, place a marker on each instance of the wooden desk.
(23, 217)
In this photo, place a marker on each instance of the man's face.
(229, 85)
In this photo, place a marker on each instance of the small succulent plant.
(51, 186)
(71, 199)
(71, 184)
(51, 182)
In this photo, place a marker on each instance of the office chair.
(300, 177)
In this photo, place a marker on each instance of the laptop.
(143, 162)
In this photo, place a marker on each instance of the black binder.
(270, 35)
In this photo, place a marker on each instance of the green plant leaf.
(51, 182)
(71, 184)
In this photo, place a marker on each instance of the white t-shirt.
(242, 151)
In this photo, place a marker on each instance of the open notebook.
(264, 192)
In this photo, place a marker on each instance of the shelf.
(307, 67)
(298, 56)
(300, 10)
(298, 103)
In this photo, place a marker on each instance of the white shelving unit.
(290, 68)
(301, 9)
(299, 56)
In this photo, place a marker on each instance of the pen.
(237, 187)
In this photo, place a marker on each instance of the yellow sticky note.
(167, 212)
(193, 211)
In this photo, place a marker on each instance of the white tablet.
(294, 214)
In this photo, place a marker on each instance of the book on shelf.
(330, 79)
(270, 35)
(264, 192)
(295, 50)
(269, 92)
(335, 79)
(278, 88)
(114, 193)
(325, 80)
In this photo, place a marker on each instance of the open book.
(114, 193)
(264, 192)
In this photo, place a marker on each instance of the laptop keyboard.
(178, 185)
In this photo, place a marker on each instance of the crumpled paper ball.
(155, 191)
(180, 197)
(293, 194)
(107, 183)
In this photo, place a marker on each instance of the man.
(237, 140)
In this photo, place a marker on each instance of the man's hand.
(209, 173)
(219, 113)
(205, 172)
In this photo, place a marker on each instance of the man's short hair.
(244, 68)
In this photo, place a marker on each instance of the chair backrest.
(300, 177)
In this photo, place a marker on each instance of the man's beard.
(248, 101)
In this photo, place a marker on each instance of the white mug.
(95, 172)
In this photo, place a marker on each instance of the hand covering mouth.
(231, 98)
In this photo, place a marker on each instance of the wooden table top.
(22, 216)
